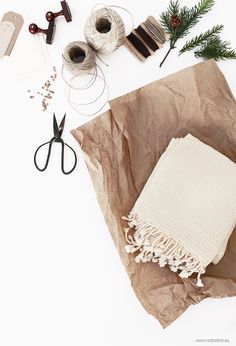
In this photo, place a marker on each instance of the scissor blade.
(62, 124)
(55, 127)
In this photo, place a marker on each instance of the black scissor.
(58, 130)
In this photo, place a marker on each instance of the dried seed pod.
(175, 21)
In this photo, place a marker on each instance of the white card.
(6, 32)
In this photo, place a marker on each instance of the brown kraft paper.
(121, 148)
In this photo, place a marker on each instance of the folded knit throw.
(187, 209)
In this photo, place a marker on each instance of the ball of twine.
(104, 30)
(78, 58)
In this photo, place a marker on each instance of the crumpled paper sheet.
(121, 148)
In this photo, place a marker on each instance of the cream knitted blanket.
(187, 209)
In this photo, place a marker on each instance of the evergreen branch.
(165, 17)
(174, 8)
(181, 30)
(165, 22)
(202, 38)
(187, 19)
(216, 49)
(191, 17)
(203, 7)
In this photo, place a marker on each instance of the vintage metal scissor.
(58, 130)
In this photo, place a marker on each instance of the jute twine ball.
(78, 58)
(104, 30)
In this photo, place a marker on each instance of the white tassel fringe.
(155, 246)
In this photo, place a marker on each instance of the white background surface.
(61, 280)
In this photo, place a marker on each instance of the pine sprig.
(187, 19)
(216, 49)
(174, 7)
(202, 38)
(198, 11)
(191, 17)
(165, 18)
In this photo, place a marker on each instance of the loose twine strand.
(104, 91)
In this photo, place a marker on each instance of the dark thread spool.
(103, 25)
(77, 55)
(138, 44)
(146, 38)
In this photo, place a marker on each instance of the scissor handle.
(48, 155)
(56, 140)
(62, 158)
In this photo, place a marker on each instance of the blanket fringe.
(155, 246)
